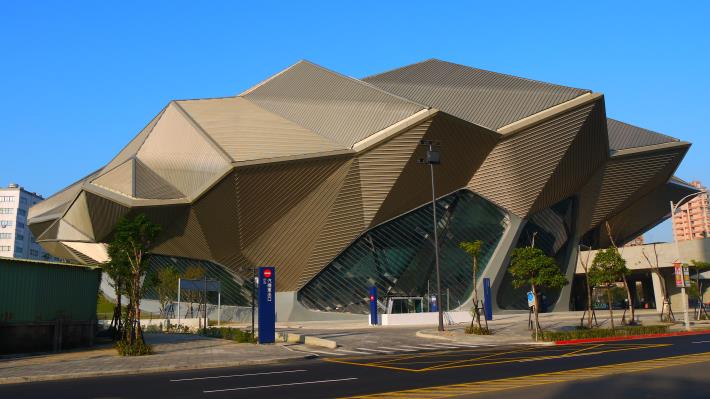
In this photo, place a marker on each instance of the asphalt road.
(362, 375)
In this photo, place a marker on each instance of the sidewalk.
(172, 352)
(512, 328)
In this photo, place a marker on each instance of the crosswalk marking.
(397, 349)
(385, 349)
(355, 352)
(416, 347)
(375, 350)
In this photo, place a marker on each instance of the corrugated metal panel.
(289, 241)
(463, 147)
(342, 109)
(485, 98)
(104, 215)
(118, 179)
(247, 132)
(181, 233)
(622, 136)
(643, 214)
(78, 216)
(176, 151)
(38, 228)
(516, 171)
(58, 203)
(218, 214)
(35, 291)
(67, 232)
(585, 156)
(267, 192)
(381, 166)
(150, 185)
(134, 145)
(624, 180)
(344, 224)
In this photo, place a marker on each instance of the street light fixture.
(674, 209)
(434, 158)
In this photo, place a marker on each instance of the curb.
(307, 340)
(109, 373)
(421, 334)
(629, 337)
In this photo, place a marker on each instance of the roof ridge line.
(361, 82)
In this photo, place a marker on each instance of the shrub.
(139, 348)
(152, 329)
(603, 332)
(478, 330)
(233, 334)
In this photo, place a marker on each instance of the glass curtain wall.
(397, 257)
(551, 230)
(235, 290)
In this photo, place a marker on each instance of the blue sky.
(80, 79)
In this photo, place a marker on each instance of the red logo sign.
(267, 273)
(372, 298)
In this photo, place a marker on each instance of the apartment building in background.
(16, 239)
(692, 220)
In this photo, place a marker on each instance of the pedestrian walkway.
(171, 352)
(382, 350)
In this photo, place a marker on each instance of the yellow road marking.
(447, 391)
(401, 363)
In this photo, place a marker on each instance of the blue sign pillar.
(267, 305)
(434, 306)
(373, 306)
(487, 303)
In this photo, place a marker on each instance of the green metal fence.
(32, 291)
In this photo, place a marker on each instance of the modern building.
(692, 219)
(645, 285)
(16, 239)
(636, 241)
(317, 174)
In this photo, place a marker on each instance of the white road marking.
(416, 347)
(281, 385)
(701, 342)
(238, 375)
(376, 350)
(323, 352)
(397, 349)
(355, 352)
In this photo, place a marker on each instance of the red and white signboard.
(682, 275)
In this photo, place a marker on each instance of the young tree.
(608, 267)
(629, 298)
(118, 270)
(584, 260)
(655, 269)
(133, 237)
(531, 267)
(165, 282)
(473, 248)
(194, 272)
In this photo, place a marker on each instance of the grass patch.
(232, 334)
(581, 333)
(478, 331)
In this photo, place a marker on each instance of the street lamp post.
(433, 158)
(674, 208)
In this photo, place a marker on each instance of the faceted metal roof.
(485, 98)
(342, 109)
(623, 136)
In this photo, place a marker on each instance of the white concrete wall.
(426, 318)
